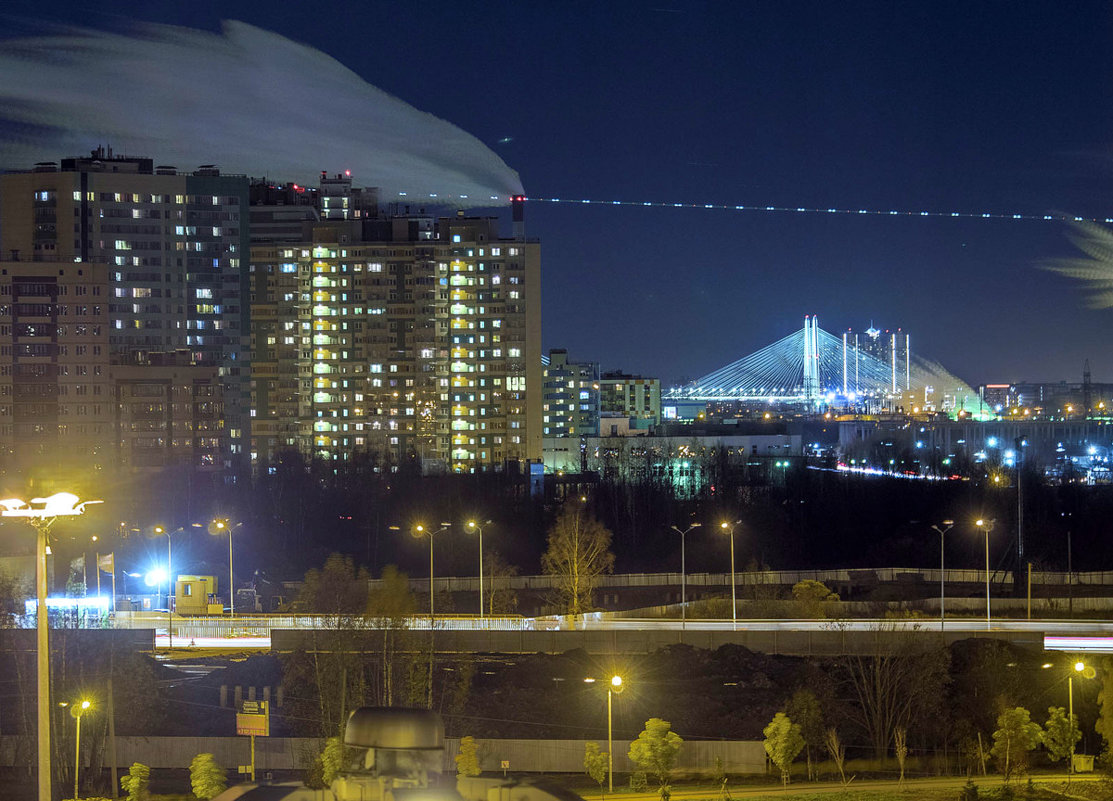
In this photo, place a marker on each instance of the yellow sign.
(254, 719)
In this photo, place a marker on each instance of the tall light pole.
(41, 513)
(472, 526)
(729, 527)
(217, 528)
(1089, 673)
(684, 575)
(942, 532)
(987, 526)
(420, 530)
(614, 689)
(77, 710)
(160, 531)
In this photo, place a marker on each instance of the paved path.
(819, 788)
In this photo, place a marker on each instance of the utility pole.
(1017, 575)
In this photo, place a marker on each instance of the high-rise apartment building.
(889, 347)
(175, 245)
(408, 338)
(570, 406)
(56, 405)
(632, 396)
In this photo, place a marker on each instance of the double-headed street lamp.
(41, 513)
(421, 530)
(987, 526)
(158, 532)
(942, 532)
(729, 527)
(683, 574)
(472, 526)
(218, 527)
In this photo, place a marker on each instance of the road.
(254, 633)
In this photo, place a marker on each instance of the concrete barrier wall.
(296, 753)
(629, 641)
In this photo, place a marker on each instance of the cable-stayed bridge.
(812, 366)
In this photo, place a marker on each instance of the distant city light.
(63, 602)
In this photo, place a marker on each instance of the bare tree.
(896, 681)
(900, 742)
(837, 751)
(390, 606)
(578, 553)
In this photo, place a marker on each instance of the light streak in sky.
(1095, 267)
(987, 215)
(246, 99)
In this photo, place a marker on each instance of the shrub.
(206, 777)
(136, 784)
(638, 781)
(969, 791)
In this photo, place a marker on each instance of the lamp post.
(684, 575)
(474, 526)
(942, 532)
(159, 531)
(77, 710)
(729, 527)
(987, 526)
(40, 514)
(218, 527)
(614, 689)
(1086, 672)
(420, 530)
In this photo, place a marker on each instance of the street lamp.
(987, 526)
(217, 528)
(420, 530)
(472, 526)
(684, 574)
(77, 710)
(942, 532)
(729, 527)
(1086, 672)
(613, 690)
(158, 532)
(41, 514)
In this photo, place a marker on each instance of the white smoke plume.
(245, 99)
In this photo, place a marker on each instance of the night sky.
(999, 107)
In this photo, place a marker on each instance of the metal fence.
(298, 753)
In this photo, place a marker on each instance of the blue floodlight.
(992, 441)
(155, 576)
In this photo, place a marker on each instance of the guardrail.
(190, 626)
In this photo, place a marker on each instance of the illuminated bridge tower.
(811, 359)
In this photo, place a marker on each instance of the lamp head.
(85, 704)
(979, 522)
(948, 522)
(1079, 667)
(724, 525)
(616, 681)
